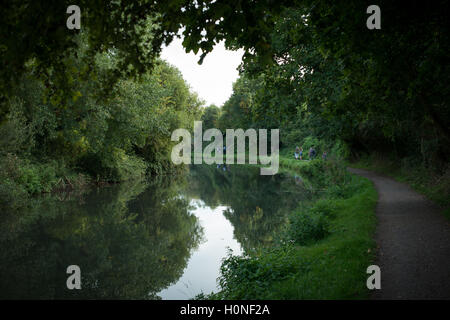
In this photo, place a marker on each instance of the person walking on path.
(312, 153)
(297, 153)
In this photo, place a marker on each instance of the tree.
(333, 78)
(210, 116)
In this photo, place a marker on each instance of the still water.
(160, 239)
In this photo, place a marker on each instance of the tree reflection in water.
(258, 206)
(135, 239)
(129, 243)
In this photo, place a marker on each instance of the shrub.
(19, 178)
(323, 174)
(33, 178)
(37, 178)
(292, 138)
(251, 276)
(113, 167)
(340, 150)
(307, 227)
(324, 207)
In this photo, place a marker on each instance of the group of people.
(298, 154)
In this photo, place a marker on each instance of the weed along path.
(413, 240)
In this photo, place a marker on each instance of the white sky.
(213, 79)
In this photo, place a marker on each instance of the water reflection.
(141, 240)
(202, 270)
(129, 244)
(257, 206)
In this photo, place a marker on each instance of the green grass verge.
(336, 265)
(323, 252)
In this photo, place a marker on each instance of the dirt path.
(413, 240)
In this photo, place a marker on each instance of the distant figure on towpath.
(297, 153)
(312, 153)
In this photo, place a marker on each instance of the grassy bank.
(322, 253)
(434, 185)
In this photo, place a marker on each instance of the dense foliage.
(48, 143)
(353, 92)
(209, 117)
(312, 68)
(382, 90)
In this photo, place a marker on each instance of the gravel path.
(413, 240)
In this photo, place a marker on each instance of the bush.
(15, 133)
(33, 178)
(113, 167)
(340, 150)
(37, 178)
(324, 207)
(307, 227)
(325, 173)
(251, 277)
(292, 138)
(20, 178)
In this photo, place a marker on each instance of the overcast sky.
(213, 79)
